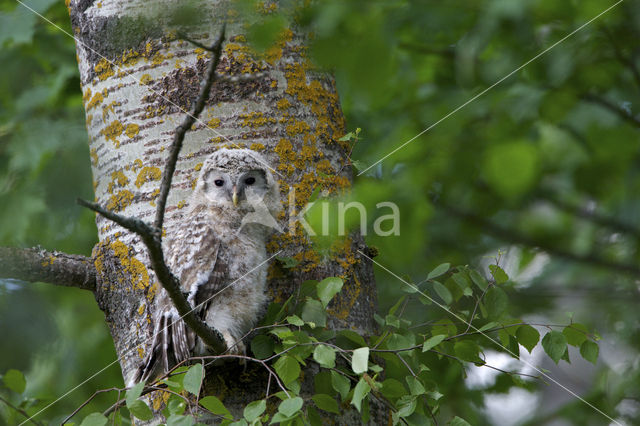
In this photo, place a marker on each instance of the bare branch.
(182, 129)
(628, 62)
(512, 235)
(36, 264)
(21, 411)
(152, 235)
(607, 104)
(150, 238)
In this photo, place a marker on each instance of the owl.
(218, 253)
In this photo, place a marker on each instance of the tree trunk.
(138, 78)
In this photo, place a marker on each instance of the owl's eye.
(218, 182)
(250, 181)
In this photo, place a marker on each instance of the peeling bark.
(137, 80)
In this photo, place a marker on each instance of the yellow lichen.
(95, 101)
(48, 261)
(118, 179)
(181, 204)
(214, 123)
(132, 130)
(198, 167)
(148, 174)
(112, 131)
(136, 270)
(283, 104)
(120, 201)
(145, 79)
(93, 153)
(103, 69)
(257, 146)
(154, 195)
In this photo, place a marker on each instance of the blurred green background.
(543, 171)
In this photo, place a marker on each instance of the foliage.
(543, 165)
(399, 368)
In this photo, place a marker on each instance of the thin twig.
(96, 393)
(169, 282)
(181, 130)
(152, 235)
(20, 410)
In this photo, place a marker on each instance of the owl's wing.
(196, 261)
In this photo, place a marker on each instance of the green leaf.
(140, 410)
(360, 360)
(467, 350)
(14, 380)
(262, 346)
(326, 403)
(176, 405)
(94, 419)
(415, 386)
(290, 406)
(361, 390)
(287, 368)
(325, 356)
(314, 312)
(496, 302)
(341, 384)
(439, 270)
(295, 320)
(589, 351)
(179, 420)
(555, 345)
(353, 337)
(193, 379)
(527, 336)
(443, 292)
(457, 421)
(134, 393)
(254, 410)
(498, 274)
(576, 334)
(478, 280)
(328, 288)
(216, 406)
(392, 388)
(433, 341)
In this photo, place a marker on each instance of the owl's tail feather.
(172, 343)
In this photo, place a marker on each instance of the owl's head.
(236, 179)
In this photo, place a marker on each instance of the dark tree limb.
(592, 216)
(151, 235)
(513, 236)
(35, 264)
(150, 238)
(182, 129)
(607, 104)
(624, 60)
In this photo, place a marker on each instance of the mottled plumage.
(219, 258)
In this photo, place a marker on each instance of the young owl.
(218, 253)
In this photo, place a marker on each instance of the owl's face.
(235, 179)
(234, 189)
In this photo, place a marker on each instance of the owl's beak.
(234, 198)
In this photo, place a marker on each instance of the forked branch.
(151, 235)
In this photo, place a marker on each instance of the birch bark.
(138, 79)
